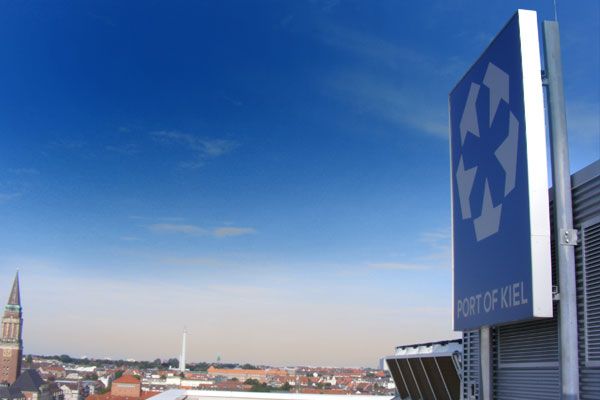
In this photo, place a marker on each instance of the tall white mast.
(182, 357)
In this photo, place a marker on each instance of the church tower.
(11, 344)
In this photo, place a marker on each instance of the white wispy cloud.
(129, 238)
(177, 228)
(190, 262)
(434, 253)
(233, 231)
(437, 244)
(5, 197)
(24, 171)
(377, 84)
(125, 149)
(399, 266)
(232, 101)
(188, 229)
(203, 148)
(148, 218)
(372, 48)
(391, 102)
(326, 5)
(68, 144)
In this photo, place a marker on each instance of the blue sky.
(274, 175)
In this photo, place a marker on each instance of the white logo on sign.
(488, 223)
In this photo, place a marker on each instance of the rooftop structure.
(182, 357)
(428, 370)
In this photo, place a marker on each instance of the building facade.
(11, 343)
(126, 386)
(526, 355)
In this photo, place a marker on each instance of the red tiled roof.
(218, 371)
(108, 396)
(127, 379)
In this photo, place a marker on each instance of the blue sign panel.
(500, 215)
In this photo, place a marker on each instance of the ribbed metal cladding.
(411, 381)
(470, 372)
(436, 378)
(526, 360)
(450, 374)
(586, 205)
(527, 384)
(528, 344)
(591, 271)
(421, 379)
(398, 378)
(526, 354)
(425, 378)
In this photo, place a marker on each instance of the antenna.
(555, 12)
(182, 357)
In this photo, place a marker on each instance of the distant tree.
(173, 362)
(65, 359)
(251, 381)
(118, 374)
(248, 366)
(234, 379)
(261, 387)
(286, 387)
(103, 390)
(157, 362)
(29, 360)
(201, 366)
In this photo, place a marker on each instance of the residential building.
(8, 393)
(127, 387)
(70, 390)
(260, 375)
(33, 387)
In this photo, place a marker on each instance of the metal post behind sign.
(566, 236)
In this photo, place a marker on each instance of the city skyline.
(274, 176)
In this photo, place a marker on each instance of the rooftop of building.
(240, 371)
(109, 396)
(29, 381)
(448, 347)
(9, 393)
(180, 394)
(127, 379)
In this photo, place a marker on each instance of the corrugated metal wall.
(526, 355)
(586, 202)
(526, 361)
(470, 365)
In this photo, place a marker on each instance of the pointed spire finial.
(15, 294)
